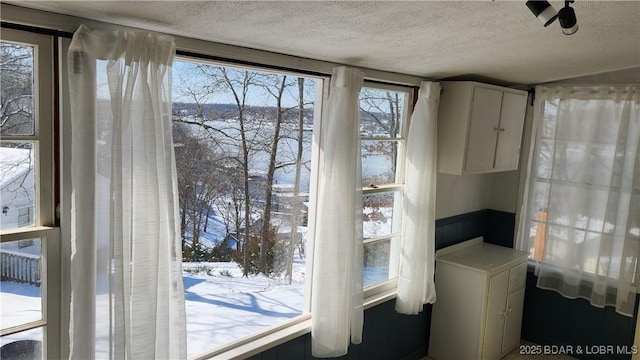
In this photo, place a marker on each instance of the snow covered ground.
(19, 304)
(221, 305)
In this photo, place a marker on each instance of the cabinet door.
(458, 314)
(510, 131)
(495, 317)
(485, 119)
(513, 323)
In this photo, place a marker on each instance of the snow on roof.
(14, 163)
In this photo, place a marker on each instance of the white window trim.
(395, 237)
(43, 211)
(50, 293)
(43, 108)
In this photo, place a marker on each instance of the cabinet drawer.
(517, 277)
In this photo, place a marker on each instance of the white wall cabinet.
(479, 301)
(479, 127)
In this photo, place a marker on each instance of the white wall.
(457, 195)
(461, 194)
(504, 191)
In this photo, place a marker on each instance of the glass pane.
(25, 345)
(17, 109)
(244, 222)
(379, 162)
(17, 160)
(20, 292)
(376, 262)
(381, 113)
(381, 213)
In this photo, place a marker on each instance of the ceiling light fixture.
(543, 11)
(567, 17)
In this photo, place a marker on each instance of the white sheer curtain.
(417, 259)
(127, 299)
(581, 215)
(336, 295)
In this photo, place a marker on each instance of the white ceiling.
(479, 40)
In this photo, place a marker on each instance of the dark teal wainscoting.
(388, 335)
(551, 319)
(548, 318)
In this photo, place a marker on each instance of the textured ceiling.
(492, 40)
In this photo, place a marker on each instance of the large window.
(383, 114)
(582, 216)
(29, 316)
(243, 151)
(243, 142)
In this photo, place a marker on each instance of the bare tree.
(276, 90)
(16, 118)
(295, 208)
(383, 109)
(239, 87)
(282, 158)
(197, 186)
(381, 121)
(16, 89)
(229, 203)
(251, 137)
(201, 85)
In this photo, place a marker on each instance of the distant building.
(21, 260)
(17, 190)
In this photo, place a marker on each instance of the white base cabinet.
(479, 301)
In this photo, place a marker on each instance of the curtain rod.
(274, 67)
(37, 30)
(69, 35)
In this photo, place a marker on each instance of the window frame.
(43, 211)
(382, 290)
(532, 137)
(43, 134)
(297, 326)
(372, 295)
(63, 26)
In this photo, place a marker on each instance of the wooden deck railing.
(22, 268)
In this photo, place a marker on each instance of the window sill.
(289, 332)
(263, 343)
(379, 298)
(531, 268)
(25, 232)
